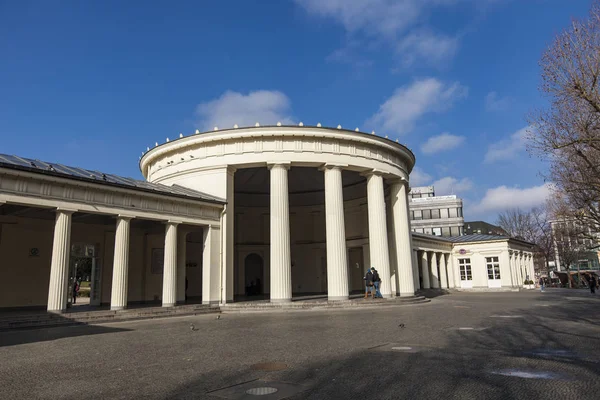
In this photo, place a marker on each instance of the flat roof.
(80, 174)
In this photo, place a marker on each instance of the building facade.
(435, 215)
(274, 211)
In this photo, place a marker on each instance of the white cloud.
(442, 142)
(502, 198)
(263, 106)
(508, 148)
(495, 103)
(399, 113)
(426, 46)
(400, 24)
(418, 177)
(450, 185)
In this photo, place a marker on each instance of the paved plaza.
(525, 345)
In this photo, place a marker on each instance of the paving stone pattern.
(548, 349)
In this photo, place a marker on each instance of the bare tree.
(517, 223)
(544, 238)
(567, 134)
(533, 226)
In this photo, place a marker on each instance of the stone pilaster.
(337, 266)
(281, 266)
(435, 279)
(59, 268)
(403, 238)
(211, 272)
(229, 245)
(443, 272)
(181, 261)
(118, 298)
(415, 261)
(169, 296)
(425, 269)
(452, 283)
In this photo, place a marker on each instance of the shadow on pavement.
(534, 353)
(16, 337)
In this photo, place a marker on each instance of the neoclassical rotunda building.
(269, 212)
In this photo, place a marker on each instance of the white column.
(337, 266)
(435, 280)
(531, 268)
(403, 238)
(281, 267)
(443, 272)
(227, 278)
(378, 240)
(59, 268)
(118, 297)
(181, 261)
(425, 269)
(169, 296)
(211, 273)
(450, 268)
(415, 261)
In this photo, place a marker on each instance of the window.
(412, 215)
(435, 214)
(465, 269)
(446, 232)
(426, 214)
(437, 231)
(493, 267)
(453, 212)
(418, 215)
(459, 210)
(444, 212)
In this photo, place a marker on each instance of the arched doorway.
(254, 274)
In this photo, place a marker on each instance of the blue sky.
(93, 84)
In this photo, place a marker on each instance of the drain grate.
(262, 391)
(269, 366)
(249, 390)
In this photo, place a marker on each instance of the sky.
(92, 84)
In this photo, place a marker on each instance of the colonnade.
(173, 272)
(436, 270)
(337, 265)
(521, 266)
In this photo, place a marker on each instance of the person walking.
(376, 283)
(592, 283)
(369, 284)
(75, 290)
(542, 286)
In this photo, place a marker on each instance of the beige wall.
(24, 279)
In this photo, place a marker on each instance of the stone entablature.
(256, 146)
(38, 190)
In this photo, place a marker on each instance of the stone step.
(102, 316)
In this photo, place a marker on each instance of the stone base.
(278, 301)
(117, 308)
(337, 298)
(168, 304)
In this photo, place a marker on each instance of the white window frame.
(492, 265)
(465, 271)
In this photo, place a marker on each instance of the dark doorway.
(254, 273)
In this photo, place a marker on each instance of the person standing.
(542, 284)
(592, 282)
(369, 284)
(376, 283)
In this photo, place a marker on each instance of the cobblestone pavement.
(526, 345)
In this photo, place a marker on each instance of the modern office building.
(435, 215)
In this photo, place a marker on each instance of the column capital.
(66, 210)
(370, 172)
(332, 166)
(125, 217)
(399, 180)
(280, 164)
(231, 170)
(172, 222)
